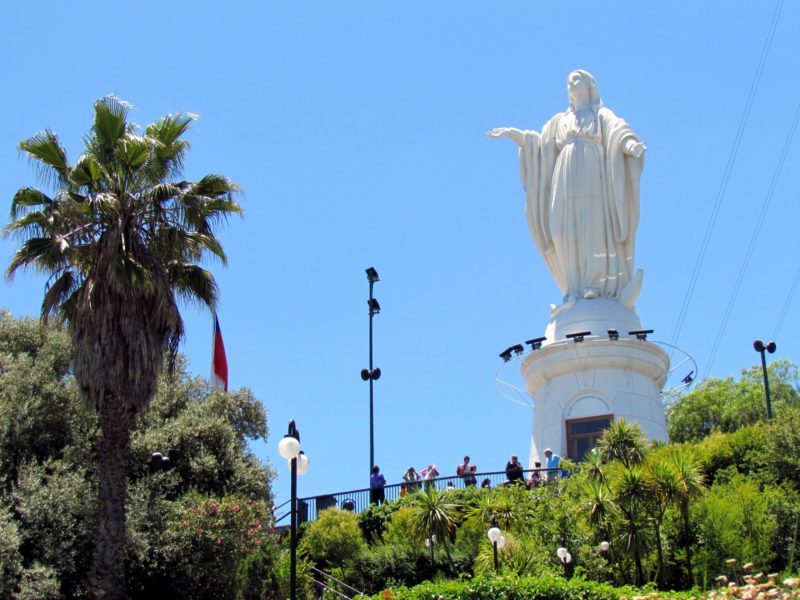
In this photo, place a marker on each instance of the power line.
(786, 304)
(726, 175)
(754, 238)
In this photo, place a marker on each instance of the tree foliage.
(725, 405)
(49, 437)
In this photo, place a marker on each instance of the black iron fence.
(358, 500)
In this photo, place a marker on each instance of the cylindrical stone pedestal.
(574, 382)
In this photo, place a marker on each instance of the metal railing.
(359, 500)
(326, 582)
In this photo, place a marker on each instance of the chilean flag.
(219, 364)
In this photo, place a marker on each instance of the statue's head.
(578, 80)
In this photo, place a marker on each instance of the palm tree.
(624, 442)
(120, 240)
(601, 507)
(665, 488)
(690, 486)
(434, 514)
(633, 489)
(593, 465)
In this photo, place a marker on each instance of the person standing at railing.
(535, 480)
(376, 484)
(514, 472)
(411, 480)
(551, 463)
(429, 475)
(467, 472)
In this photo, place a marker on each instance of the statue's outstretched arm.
(635, 148)
(510, 132)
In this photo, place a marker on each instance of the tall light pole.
(371, 374)
(289, 448)
(760, 348)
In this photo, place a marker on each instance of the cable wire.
(786, 304)
(754, 238)
(726, 175)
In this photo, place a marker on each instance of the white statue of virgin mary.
(581, 178)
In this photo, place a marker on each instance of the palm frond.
(26, 197)
(35, 223)
(110, 120)
(168, 132)
(49, 157)
(57, 293)
(130, 273)
(45, 254)
(85, 171)
(134, 150)
(193, 284)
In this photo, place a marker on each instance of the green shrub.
(733, 521)
(10, 557)
(384, 566)
(518, 588)
(334, 539)
(206, 540)
(375, 519)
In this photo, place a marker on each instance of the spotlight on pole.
(689, 378)
(578, 337)
(372, 275)
(613, 335)
(641, 334)
(536, 343)
(374, 307)
(761, 348)
(506, 354)
(518, 349)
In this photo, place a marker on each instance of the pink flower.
(251, 502)
(235, 508)
(190, 510)
(218, 542)
(201, 530)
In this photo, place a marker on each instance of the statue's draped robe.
(582, 205)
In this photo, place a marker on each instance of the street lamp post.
(761, 348)
(566, 558)
(289, 448)
(371, 374)
(497, 539)
(430, 543)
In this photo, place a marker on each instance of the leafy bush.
(386, 566)
(10, 557)
(265, 574)
(208, 537)
(734, 521)
(518, 588)
(334, 539)
(55, 506)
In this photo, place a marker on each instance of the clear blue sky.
(356, 131)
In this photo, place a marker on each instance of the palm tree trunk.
(107, 573)
(687, 543)
(660, 553)
(637, 559)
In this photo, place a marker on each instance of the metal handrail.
(359, 500)
(342, 583)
